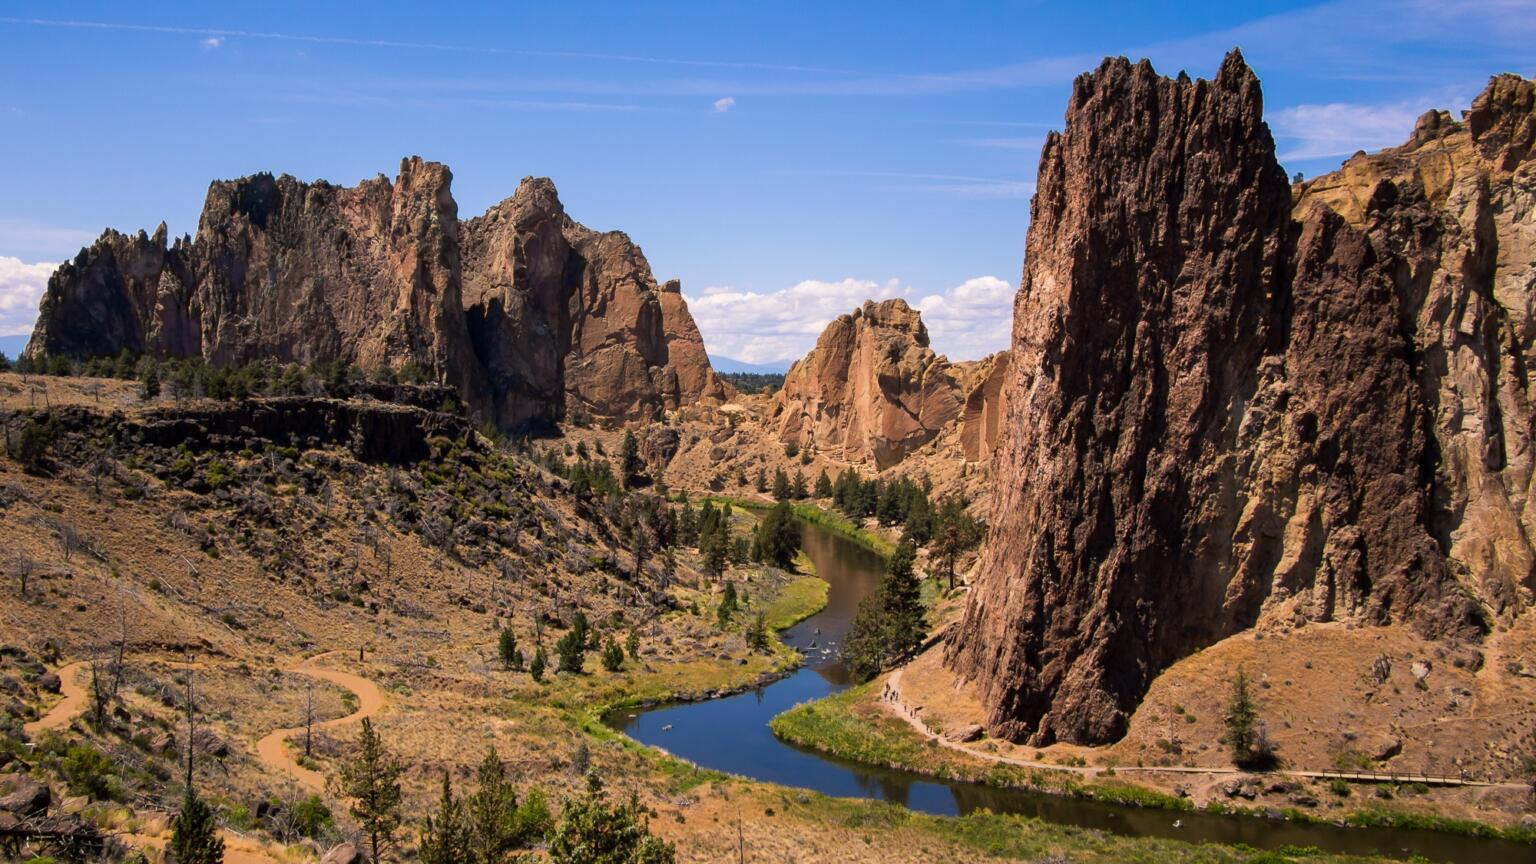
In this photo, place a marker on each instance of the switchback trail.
(271, 749)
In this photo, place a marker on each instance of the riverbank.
(827, 520)
(857, 725)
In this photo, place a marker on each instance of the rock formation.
(871, 389)
(529, 314)
(1235, 403)
(986, 405)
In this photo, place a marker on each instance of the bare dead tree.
(191, 725)
(67, 537)
(24, 565)
(98, 693)
(309, 716)
(118, 665)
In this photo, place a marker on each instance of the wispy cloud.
(33, 239)
(724, 105)
(21, 287)
(965, 322)
(1340, 128)
(1028, 143)
(221, 34)
(212, 42)
(955, 185)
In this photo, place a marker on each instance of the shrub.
(89, 772)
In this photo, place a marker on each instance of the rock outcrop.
(986, 405)
(871, 389)
(1233, 403)
(530, 315)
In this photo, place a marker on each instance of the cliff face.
(986, 406)
(1228, 409)
(529, 314)
(871, 389)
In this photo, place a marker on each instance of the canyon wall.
(531, 316)
(1233, 402)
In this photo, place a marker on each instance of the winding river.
(731, 734)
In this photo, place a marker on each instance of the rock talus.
(1233, 402)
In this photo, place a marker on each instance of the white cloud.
(724, 105)
(966, 322)
(212, 42)
(21, 287)
(971, 320)
(1340, 128)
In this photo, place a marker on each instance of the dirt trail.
(271, 749)
(68, 708)
(893, 702)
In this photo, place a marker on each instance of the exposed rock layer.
(530, 315)
(871, 389)
(1227, 408)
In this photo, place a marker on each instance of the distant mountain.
(726, 364)
(11, 346)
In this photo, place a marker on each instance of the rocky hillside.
(531, 316)
(873, 390)
(1237, 403)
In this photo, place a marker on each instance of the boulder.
(24, 796)
(965, 734)
(345, 853)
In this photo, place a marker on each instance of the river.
(731, 734)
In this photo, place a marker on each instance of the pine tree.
(757, 634)
(632, 644)
(889, 624)
(1246, 735)
(372, 781)
(613, 655)
(630, 466)
(716, 551)
(194, 833)
(507, 650)
(592, 831)
(761, 483)
(905, 626)
(539, 664)
(777, 538)
(781, 488)
(797, 489)
(823, 488)
(445, 837)
(954, 532)
(571, 651)
(727, 606)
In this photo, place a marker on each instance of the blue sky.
(785, 160)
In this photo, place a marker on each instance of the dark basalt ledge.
(527, 314)
(1235, 402)
(376, 432)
